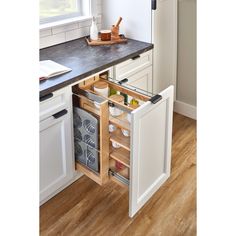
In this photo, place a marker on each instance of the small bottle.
(112, 91)
(134, 103)
(125, 96)
(94, 30)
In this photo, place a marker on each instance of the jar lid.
(105, 31)
(101, 85)
(117, 98)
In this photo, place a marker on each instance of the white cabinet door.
(142, 79)
(151, 128)
(56, 159)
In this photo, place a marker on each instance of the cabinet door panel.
(151, 128)
(56, 161)
(133, 66)
(142, 80)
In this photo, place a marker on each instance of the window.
(54, 10)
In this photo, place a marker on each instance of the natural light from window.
(54, 10)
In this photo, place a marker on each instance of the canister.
(114, 111)
(101, 88)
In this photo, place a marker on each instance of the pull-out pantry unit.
(133, 147)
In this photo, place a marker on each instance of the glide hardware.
(119, 177)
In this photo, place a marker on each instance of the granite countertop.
(86, 60)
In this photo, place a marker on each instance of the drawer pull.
(155, 99)
(60, 114)
(136, 57)
(123, 81)
(43, 98)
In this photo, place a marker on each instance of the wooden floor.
(85, 208)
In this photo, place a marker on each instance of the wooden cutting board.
(114, 40)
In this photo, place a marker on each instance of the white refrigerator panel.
(136, 14)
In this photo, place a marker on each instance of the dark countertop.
(86, 60)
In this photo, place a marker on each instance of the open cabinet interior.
(111, 152)
(125, 136)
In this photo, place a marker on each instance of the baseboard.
(185, 109)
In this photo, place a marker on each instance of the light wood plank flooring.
(85, 208)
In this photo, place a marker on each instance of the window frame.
(85, 6)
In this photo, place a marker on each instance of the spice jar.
(105, 35)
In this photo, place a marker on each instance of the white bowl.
(115, 144)
(114, 111)
(125, 132)
(112, 128)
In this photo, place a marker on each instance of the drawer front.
(53, 102)
(142, 79)
(132, 66)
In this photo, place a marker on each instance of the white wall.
(137, 17)
(70, 31)
(186, 72)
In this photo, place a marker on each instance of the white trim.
(64, 22)
(185, 109)
(166, 12)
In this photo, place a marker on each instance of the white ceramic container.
(112, 128)
(125, 132)
(115, 144)
(115, 111)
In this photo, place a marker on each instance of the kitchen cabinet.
(137, 71)
(142, 162)
(56, 156)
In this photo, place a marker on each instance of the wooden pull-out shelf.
(120, 121)
(121, 155)
(119, 138)
(88, 85)
(109, 155)
(152, 116)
